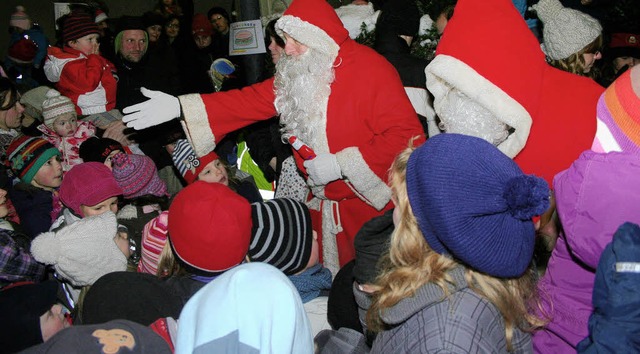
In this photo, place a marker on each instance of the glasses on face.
(173, 25)
(216, 18)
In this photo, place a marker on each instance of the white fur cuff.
(366, 184)
(196, 124)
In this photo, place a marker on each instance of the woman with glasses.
(571, 39)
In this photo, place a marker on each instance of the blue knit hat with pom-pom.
(474, 203)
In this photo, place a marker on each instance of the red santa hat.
(551, 111)
(315, 24)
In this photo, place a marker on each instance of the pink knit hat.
(137, 176)
(88, 184)
(154, 237)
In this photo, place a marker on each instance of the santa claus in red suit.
(341, 98)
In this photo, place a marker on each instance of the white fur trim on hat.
(83, 251)
(101, 16)
(308, 34)
(446, 71)
(566, 31)
(196, 124)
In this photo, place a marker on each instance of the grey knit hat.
(83, 251)
(566, 31)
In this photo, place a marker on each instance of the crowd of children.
(99, 252)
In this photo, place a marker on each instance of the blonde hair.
(167, 265)
(575, 63)
(411, 263)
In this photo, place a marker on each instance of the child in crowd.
(16, 263)
(211, 169)
(594, 197)
(100, 150)
(460, 253)
(77, 68)
(62, 129)
(572, 40)
(30, 315)
(282, 237)
(37, 164)
(252, 308)
(145, 194)
(83, 252)
(89, 189)
(209, 233)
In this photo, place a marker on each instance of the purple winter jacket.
(594, 197)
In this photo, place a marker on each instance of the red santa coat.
(369, 120)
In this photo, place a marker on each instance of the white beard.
(460, 114)
(303, 86)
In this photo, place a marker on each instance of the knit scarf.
(310, 282)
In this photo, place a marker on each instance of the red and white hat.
(315, 24)
(498, 63)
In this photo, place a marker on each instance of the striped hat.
(137, 176)
(78, 25)
(281, 234)
(618, 113)
(54, 106)
(27, 154)
(188, 163)
(20, 19)
(154, 237)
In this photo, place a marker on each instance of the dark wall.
(41, 11)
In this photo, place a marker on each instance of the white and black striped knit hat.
(281, 234)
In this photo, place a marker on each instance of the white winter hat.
(83, 251)
(54, 106)
(566, 31)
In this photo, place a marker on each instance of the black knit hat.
(98, 149)
(281, 234)
(130, 23)
(21, 307)
(137, 297)
(370, 243)
(77, 25)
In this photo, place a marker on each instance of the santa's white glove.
(323, 169)
(158, 109)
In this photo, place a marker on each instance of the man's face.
(292, 47)
(219, 23)
(134, 45)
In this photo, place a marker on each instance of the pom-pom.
(52, 93)
(20, 8)
(526, 196)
